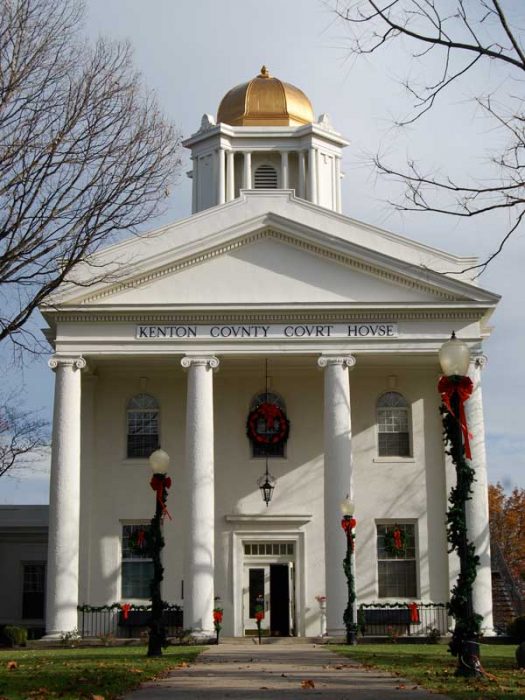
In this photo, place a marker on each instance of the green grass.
(82, 673)
(431, 666)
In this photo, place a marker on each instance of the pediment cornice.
(296, 235)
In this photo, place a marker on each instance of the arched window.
(265, 177)
(393, 425)
(272, 429)
(143, 425)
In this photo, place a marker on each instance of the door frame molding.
(298, 537)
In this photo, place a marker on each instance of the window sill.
(394, 460)
(140, 461)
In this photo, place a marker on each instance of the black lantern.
(267, 484)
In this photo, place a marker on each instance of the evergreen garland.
(468, 623)
(347, 567)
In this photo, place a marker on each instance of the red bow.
(158, 483)
(141, 539)
(398, 544)
(270, 412)
(217, 615)
(348, 524)
(464, 387)
(414, 613)
(125, 607)
(259, 615)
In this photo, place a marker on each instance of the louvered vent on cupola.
(265, 178)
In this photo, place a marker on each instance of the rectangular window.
(397, 572)
(33, 591)
(137, 566)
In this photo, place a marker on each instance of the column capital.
(200, 360)
(342, 360)
(76, 362)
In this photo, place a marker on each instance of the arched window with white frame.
(142, 425)
(393, 425)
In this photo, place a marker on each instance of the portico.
(265, 297)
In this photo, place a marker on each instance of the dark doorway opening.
(279, 601)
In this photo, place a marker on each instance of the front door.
(268, 586)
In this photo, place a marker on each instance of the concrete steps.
(269, 640)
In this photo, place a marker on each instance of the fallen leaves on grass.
(307, 684)
(183, 664)
(97, 697)
(12, 665)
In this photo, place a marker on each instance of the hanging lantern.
(267, 484)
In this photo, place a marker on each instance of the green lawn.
(82, 673)
(432, 666)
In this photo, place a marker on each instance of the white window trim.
(399, 521)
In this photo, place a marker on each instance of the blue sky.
(192, 51)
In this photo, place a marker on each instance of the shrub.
(433, 635)
(16, 635)
(516, 629)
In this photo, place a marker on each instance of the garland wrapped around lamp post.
(348, 523)
(455, 388)
(160, 483)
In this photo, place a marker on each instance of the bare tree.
(84, 152)
(23, 436)
(451, 39)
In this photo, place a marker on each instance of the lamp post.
(160, 483)
(455, 388)
(348, 523)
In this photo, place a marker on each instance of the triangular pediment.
(267, 269)
(265, 252)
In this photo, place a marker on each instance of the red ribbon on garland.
(259, 615)
(141, 539)
(217, 616)
(158, 483)
(348, 524)
(414, 613)
(125, 607)
(464, 388)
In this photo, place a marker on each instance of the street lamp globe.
(159, 461)
(454, 357)
(347, 507)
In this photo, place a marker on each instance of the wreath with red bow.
(395, 541)
(139, 541)
(276, 423)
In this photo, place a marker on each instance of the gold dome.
(265, 101)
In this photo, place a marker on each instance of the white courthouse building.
(266, 329)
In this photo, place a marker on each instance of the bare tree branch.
(84, 152)
(23, 435)
(466, 35)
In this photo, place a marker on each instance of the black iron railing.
(393, 620)
(125, 620)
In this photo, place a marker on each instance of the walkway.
(275, 672)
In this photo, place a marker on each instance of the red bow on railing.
(125, 607)
(158, 483)
(464, 387)
(414, 613)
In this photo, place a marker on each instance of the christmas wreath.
(395, 541)
(139, 541)
(277, 425)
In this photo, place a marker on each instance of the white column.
(247, 178)
(302, 175)
(200, 497)
(221, 179)
(477, 506)
(64, 499)
(230, 175)
(337, 184)
(337, 483)
(284, 170)
(312, 175)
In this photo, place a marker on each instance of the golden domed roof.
(265, 101)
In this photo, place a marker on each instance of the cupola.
(265, 138)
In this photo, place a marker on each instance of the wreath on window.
(395, 541)
(276, 424)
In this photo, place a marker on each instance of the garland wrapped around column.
(454, 391)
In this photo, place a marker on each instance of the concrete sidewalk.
(272, 672)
